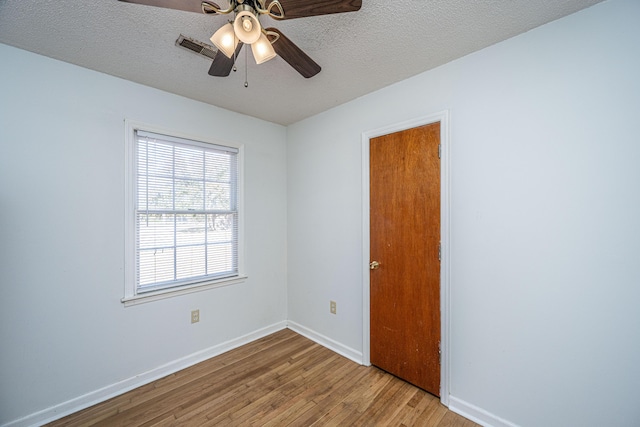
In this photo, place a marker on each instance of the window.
(183, 212)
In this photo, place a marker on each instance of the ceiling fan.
(245, 28)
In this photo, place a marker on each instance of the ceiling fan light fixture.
(225, 40)
(247, 27)
(262, 50)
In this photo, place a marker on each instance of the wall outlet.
(195, 316)
(332, 307)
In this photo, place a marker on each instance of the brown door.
(405, 239)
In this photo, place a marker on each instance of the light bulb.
(246, 23)
(227, 41)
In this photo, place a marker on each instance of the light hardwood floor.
(283, 379)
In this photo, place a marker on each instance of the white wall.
(63, 331)
(545, 219)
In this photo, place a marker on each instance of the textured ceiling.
(360, 52)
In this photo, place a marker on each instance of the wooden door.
(405, 239)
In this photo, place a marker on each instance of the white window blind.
(186, 211)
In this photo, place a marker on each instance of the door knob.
(374, 265)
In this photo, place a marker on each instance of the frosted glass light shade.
(225, 40)
(262, 50)
(247, 27)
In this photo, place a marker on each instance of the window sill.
(169, 293)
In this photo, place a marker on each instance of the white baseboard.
(74, 405)
(476, 414)
(53, 413)
(335, 346)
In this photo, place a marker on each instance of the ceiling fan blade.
(291, 53)
(221, 66)
(303, 8)
(186, 5)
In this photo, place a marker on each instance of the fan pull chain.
(246, 67)
(235, 56)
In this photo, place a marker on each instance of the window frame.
(131, 294)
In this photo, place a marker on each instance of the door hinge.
(439, 252)
(439, 352)
(439, 151)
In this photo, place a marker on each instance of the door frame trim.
(445, 236)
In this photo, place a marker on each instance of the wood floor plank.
(329, 399)
(264, 384)
(347, 403)
(451, 419)
(283, 379)
(205, 387)
(344, 404)
(319, 393)
(240, 396)
(300, 380)
(387, 406)
(421, 405)
(171, 382)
